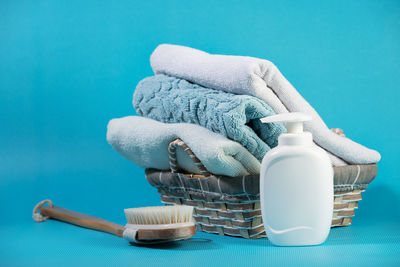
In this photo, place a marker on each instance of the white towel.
(259, 78)
(145, 142)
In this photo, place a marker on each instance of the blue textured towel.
(172, 100)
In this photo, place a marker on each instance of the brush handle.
(82, 220)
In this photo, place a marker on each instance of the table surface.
(56, 244)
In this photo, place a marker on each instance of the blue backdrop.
(68, 67)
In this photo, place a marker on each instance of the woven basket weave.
(231, 205)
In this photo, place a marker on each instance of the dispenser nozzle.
(293, 120)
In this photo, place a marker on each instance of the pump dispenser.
(296, 186)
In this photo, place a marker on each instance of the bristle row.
(159, 215)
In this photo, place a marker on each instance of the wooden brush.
(147, 225)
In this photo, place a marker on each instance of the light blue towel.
(145, 142)
(172, 100)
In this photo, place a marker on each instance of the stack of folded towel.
(214, 104)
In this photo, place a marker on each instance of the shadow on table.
(190, 244)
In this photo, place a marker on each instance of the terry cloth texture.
(172, 100)
(259, 78)
(242, 188)
(145, 142)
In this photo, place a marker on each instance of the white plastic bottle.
(296, 186)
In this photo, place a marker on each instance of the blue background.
(68, 67)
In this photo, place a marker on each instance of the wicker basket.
(230, 205)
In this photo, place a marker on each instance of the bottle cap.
(293, 121)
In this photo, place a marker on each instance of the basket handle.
(178, 142)
(338, 131)
(173, 160)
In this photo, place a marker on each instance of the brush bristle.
(159, 215)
